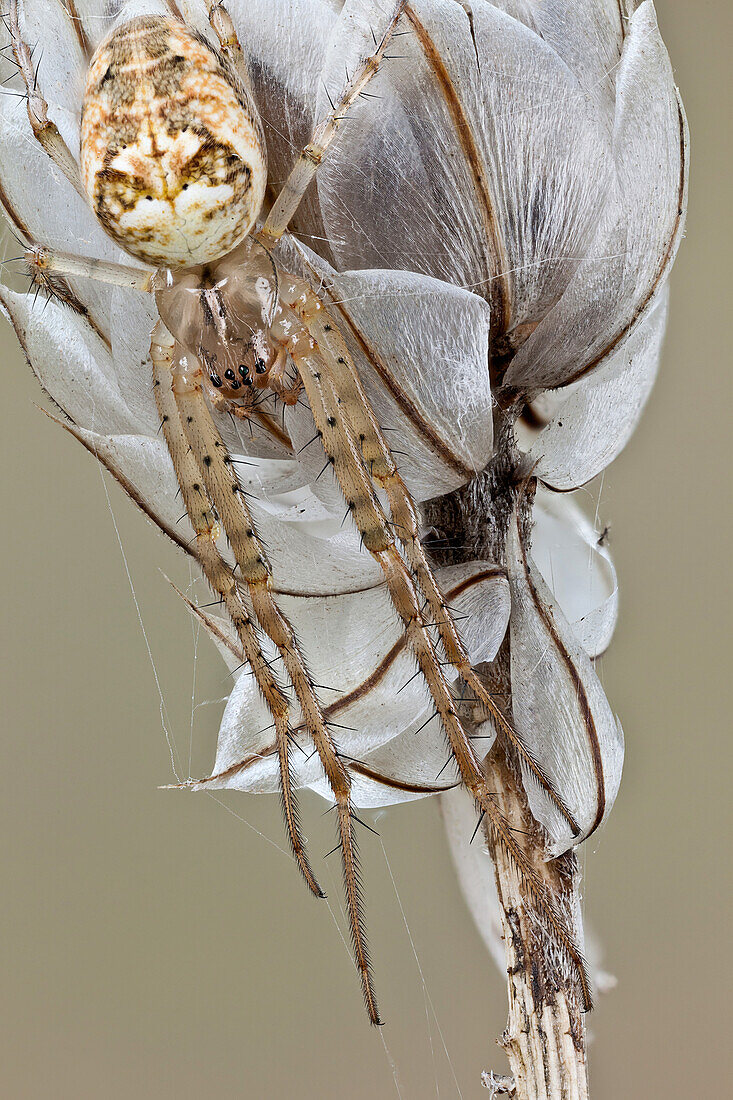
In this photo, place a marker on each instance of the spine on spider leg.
(44, 129)
(475, 781)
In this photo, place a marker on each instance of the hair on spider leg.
(408, 682)
(21, 95)
(315, 437)
(448, 761)
(12, 260)
(364, 824)
(482, 815)
(239, 668)
(426, 723)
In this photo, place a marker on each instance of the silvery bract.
(495, 221)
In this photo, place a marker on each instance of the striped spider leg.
(232, 322)
(173, 165)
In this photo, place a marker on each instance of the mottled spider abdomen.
(172, 152)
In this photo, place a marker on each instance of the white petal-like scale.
(587, 34)
(44, 206)
(597, 415)
(504, 162)
(142, 466)
(356, 649)
(285, 43)
(474, 868)
(72, 362)
(639, 233)
(421, 349)
(310, 555)
(578, 570)
(559, 706)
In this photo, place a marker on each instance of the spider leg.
(342, 449)
(339, 365)
(215, 470)
(223, 582)
(221, 24)
(45, 131)
(46, 262)
(311, 156)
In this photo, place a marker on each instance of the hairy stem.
(545, 1035)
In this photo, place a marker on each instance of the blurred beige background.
(156, 946)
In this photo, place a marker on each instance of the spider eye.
(260, 366)
(216, 380)
(229, 374)
(235, 384)
(243, 370)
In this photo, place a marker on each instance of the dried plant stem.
(545, 1036)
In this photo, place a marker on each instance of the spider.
(173, 164)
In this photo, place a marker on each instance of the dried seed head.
(172, 151)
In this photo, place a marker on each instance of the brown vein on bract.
(174, 10)
(497, 261)
(622, 18)
(400, 784)
(362, 689)
(69, 7)
(405, 403)
(676, 229)
(582, 697)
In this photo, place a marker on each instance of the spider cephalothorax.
(224, 314)
(173, 164)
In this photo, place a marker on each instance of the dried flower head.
(479, 259)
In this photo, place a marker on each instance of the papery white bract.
(497, 220)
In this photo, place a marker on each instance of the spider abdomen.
(172, 153)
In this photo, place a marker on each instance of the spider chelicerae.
(173, 164)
